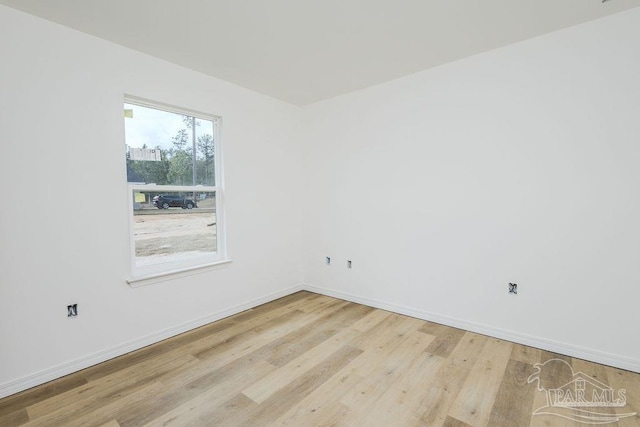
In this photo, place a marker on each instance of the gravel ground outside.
(174, 231)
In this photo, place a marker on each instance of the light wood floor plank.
(322, 404)
(525, 354)
(298, 389)
(237, 374)
(445, 385)
(38, 394)
(396, 397)
(446, 338)
(377, 343)
(371, 320)
(314, 333)
(628, 381)
(392, 329)
(253, 339)
(192, 410)
(452, 422)
(100, 414)
(264, 388)
(14, 418)
(100, 392)
(514, 399)
(384, 375)
(475, 400)
(284, 399)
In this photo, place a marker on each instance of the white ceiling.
(303, 51)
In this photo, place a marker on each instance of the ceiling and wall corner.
(306, 51)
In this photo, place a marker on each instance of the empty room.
(305, 213)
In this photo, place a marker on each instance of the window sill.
(174, 274)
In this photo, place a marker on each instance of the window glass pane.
(173, 226)
(163, 147)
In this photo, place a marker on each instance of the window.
(173, 175)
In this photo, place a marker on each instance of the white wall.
(64, 214)
(517, 165)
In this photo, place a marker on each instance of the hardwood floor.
(312, 360)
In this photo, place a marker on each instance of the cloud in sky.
(155, 128)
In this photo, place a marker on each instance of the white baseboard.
(504, 334)
(67, 368)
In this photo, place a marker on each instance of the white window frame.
(168, 270)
